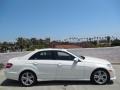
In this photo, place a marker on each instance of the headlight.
(109, 65)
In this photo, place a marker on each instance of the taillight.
(8, 65)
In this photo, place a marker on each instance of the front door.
(67, 69)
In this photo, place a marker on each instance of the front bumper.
(112, 74)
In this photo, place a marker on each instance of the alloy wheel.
(27, 78)
(100, 77)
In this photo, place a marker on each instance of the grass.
(1, 65)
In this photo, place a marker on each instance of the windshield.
(77, 54)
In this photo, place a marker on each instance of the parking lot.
(60, 85)
(111, 54)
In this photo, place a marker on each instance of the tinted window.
(42, 55)
(64, 56)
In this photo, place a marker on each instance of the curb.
(115, 63)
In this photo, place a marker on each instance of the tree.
(108, 40)
(21, 42)
(4, 46)
(115, 42)
(34, 41)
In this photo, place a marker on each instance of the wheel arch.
(99, 69)
(26, 71)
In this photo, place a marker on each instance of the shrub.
(1, 66)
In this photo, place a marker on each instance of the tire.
(27, 78)
(100, 77)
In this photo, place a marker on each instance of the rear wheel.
(100, 77)
(28, 78)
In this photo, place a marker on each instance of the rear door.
(44, 61)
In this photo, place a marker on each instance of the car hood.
(96, 60)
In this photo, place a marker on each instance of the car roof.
(45, 49)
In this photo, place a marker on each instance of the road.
(60, 85)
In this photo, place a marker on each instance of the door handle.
(35, 63)
(59, 64)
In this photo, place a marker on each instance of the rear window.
(42, 55)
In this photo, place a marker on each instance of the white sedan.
(58, 64)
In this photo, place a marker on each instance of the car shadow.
(9, 82)
(14, 83)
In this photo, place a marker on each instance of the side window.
(64, 56)
(43, 55)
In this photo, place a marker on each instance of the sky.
(58, 19)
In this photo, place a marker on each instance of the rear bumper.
(11, 75)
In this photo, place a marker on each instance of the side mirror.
(76, 60)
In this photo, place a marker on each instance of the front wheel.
(27, 78)
(100, 77)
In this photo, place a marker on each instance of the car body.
(58, 64)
